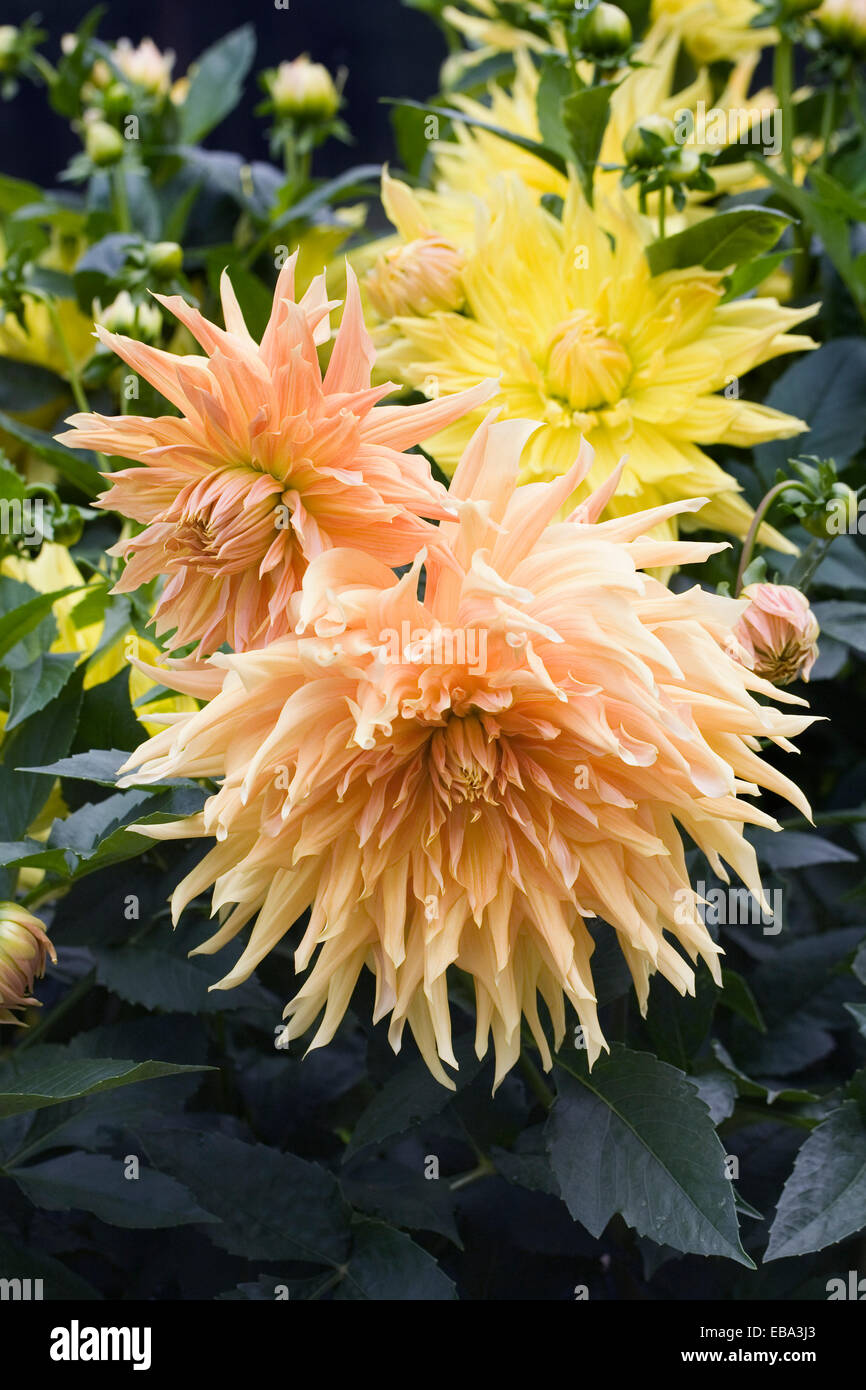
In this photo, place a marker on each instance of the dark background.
(387, 48)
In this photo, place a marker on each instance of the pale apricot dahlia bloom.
(268, 465)
(464, 781)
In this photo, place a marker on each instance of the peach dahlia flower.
(465, 780)
(267, 465)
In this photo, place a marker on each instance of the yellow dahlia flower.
(467, 163)
(268, 464)
(714, 30)
(586, 338)
(464, 780)
(490, 34)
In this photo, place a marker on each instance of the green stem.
(46, 71)
(485, 1169)
(803, 569)
(828, 118)
(783, 81)
(121, 202)
(72, 373)
(663, 193)
(749, 543)
(331, 1282)
(536, 1081)
(84, 986)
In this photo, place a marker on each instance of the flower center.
(464, 762)
(585, 367)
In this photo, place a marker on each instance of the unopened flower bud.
(24, 950)
(165, 257)
(419, 278)
(144, 65)
(8, 46)
(606, 32)
(683, 166)
(777, 634)
(104, 144)
(844, 22)
(123, 315)
(646, 139)
(303, 90)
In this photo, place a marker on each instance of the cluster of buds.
(18, 57)
(24, 951)
(656, 160)
(777, 635)
(135, 318)
(817, 498)
(128, 305)
(128, 69)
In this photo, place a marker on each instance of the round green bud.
(67, 525)
(103, 144)
(606, 32)
(683, 165)
(643, 141)
(8, 47)
(165, 257)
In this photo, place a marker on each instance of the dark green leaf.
(77, 466)
(25, 386)
(58, 1283)
(585, 116)
(408, 1097)
(726, 239)
(15, 625)
(272, 1205)
(824, 1199)
(95, 1183)
(217, 83)
(47, 1075)
(633, 1136)
(386, 1266)
(33, 687)
(826, 389)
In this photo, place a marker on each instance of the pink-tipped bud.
(419, 278)
(778, 633)
(24, 950)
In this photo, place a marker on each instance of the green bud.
(67, 525)
(683, 165)
(103, 144)
(165, 257)
(606, 32)
(837, 515)
(643, 143)
(8, 47)
(303, 91)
